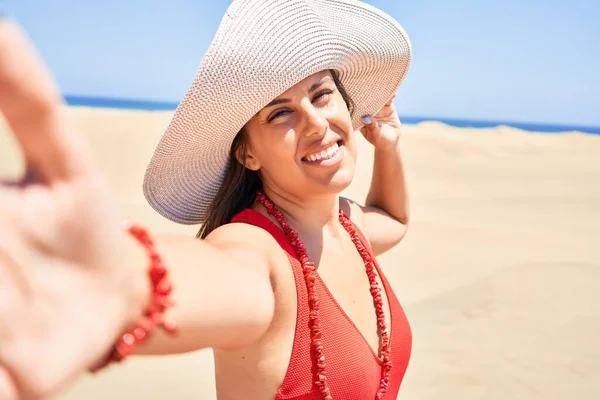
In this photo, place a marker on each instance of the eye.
(323, 95)
(277, 114)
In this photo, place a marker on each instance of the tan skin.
(64, 260)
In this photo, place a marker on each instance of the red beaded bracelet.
(153, 316)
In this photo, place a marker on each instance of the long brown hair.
(240, 184)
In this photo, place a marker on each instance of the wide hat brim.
(260, 50)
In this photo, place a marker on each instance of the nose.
(314, 121)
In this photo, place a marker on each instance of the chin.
(338, 182)
(329, 180)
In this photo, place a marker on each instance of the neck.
(313, 215)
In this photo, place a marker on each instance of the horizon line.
(157, 105)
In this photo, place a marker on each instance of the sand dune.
(499, 273)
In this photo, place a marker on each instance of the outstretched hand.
(63, 285)
(382, 130)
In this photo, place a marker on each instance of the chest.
(344, 275)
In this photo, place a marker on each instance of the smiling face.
(302, 143)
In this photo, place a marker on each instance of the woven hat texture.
(260, 50)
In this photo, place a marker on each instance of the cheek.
(340, 122)
(278, 151)
(339, 115)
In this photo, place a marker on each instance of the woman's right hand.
(69, 282)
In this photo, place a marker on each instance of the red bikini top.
(354, 370)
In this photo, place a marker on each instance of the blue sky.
(511, 60)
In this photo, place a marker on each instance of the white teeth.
(324, 154)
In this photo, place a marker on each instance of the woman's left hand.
(383, 131)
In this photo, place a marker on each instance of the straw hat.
(260, 50)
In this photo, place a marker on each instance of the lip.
(317, 148)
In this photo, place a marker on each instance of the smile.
(324, 154)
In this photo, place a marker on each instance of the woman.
(283, 285)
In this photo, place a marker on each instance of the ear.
(246, 158)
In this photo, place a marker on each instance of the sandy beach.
(499, 273)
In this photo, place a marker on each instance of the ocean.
(460, 123)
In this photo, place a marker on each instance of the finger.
(9, 302)
(8, 391)
(32, 107)
(390, 101)
(27, 179)
(387, 110)
(371, 128)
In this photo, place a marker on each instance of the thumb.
(32, 107)
(371, 129)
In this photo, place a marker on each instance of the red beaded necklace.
(310, 275)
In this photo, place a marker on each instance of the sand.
(499, 273)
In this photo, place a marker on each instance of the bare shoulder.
(354, 211)
(248, 242)
(239, 234)
(381, 230)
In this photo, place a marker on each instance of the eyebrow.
(310, 90)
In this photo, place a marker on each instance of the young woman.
(282, 282)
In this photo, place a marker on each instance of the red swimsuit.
(354, 370)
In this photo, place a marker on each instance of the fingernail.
(367, 120)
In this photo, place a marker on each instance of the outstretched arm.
(71, 279)
(222, 289)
